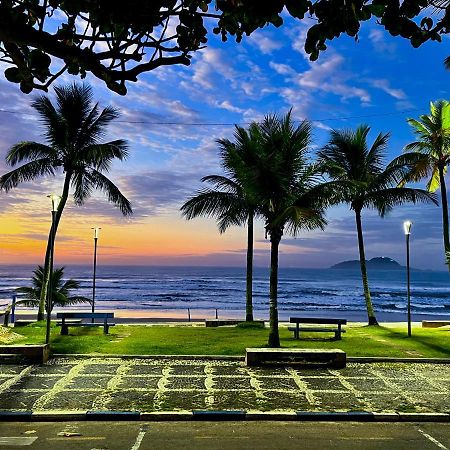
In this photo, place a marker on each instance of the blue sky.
(379, 80)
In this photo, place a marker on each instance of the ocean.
(325, 292)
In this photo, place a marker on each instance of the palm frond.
(53, 123)
(221, 182)
(71, 301)
(100, 156)
(229, 208)
(29, 151)
(384, 200)
(27, 172)
(101, 182)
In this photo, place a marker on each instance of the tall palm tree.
(60, 290)
(364, 182)
(433, 145)
(73, 145)
(288, 191)
(228, 200)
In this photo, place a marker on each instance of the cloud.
(326, 76)
(377, 37)
(265, 43)
(229, 107)
(385, 86)
(212, 61)
(283, 69)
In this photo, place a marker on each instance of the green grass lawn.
(182, 340)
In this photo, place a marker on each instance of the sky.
(379, 80)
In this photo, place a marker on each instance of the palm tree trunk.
(362, 260)
(249, 281)
(444, 211)
(62, 204)
(274, 337)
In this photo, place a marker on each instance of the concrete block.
(113, 415)
(167, 416)
(218, 415)
(37, 354)
(58, 416)
(335, 358)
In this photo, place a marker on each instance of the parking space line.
(17, 441)
(140, 437)
(432, 439)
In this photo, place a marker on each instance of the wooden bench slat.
(324, 320)
(318, 329)
(89, 324)
(317, 321)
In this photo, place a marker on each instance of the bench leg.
(64, 329)
(105, 328)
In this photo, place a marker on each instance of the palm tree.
(364, 182)
(433, 149)
(74, 131)
(60, 290)
(228, 200)
(287, 190)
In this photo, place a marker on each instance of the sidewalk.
(174, 384)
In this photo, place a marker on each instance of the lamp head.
(407, 227)
(55, 201)
(96, 232)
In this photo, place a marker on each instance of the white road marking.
(19, 441)
(432, 439)
(140, 438)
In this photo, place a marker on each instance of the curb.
(238, 358)
(378, 359)
(220, 415)
(119, 356)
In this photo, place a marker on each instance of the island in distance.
(380, 263)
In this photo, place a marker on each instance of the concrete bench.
(435, 323)
(334, 358)
(317, 321)
(30, 353)
(23, 322)
(74, 319)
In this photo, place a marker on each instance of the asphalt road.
(224, 435)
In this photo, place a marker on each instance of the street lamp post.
(96, 233)
(55, 199)
(407, 229)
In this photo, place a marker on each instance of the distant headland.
(380, 263)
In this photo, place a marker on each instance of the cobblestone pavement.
(182, 385)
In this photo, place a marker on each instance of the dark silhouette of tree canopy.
(228, 200)
(61, 290)
(117, 41)
(364, 182)
(74, 129)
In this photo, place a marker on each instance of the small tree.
(61, 290)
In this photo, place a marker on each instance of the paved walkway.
(173, 384)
